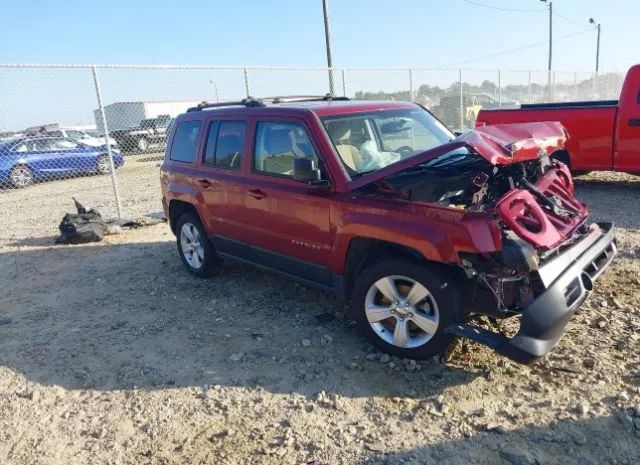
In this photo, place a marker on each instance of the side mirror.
(305, 170)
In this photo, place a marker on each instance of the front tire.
(403, 308)
(142, 145)
(196, 251)
(21, 176)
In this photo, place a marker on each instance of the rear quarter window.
(185, 141)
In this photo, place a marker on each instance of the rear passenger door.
(48, 156)
(73, 156)
(285, 223)
(220, 179)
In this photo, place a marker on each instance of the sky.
(470, 34)
(426, 33)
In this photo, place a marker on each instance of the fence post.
(114, 182)
(246, 81)
(344, 83)
(331, 83)
(500, 88)
(410, 85)
(575, 86)
(461, 101)
(530, 87)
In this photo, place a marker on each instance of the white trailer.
(124, 115)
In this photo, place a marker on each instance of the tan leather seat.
(340, 134)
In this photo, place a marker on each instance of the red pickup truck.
(381, 204)
(603, 135)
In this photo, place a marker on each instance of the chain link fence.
(97, 133)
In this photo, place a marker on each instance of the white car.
(82, 136)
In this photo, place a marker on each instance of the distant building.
(123, 115)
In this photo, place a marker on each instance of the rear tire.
(142, 145)
(196, 251)
(21, 176)
(102, 165)
(412, 323)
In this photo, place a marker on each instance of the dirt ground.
(111, 353)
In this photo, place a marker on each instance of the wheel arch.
(177, 208)
(364, 251)
(563, 156)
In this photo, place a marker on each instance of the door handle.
(256, 194)
(202, 182)
(634, 122)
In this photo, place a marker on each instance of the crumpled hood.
(504, 144)
(501, 144)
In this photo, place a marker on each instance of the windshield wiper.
(357, 174)
(445, 161)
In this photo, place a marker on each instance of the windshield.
(367, 142)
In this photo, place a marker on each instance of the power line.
(506, 52)
(500, 8)
(555, 13)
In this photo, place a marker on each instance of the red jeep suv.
(380, 203)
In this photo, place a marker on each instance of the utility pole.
(550, 35)
(593, 21)
(550, 43)
(327, 38)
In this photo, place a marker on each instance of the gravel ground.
(111, 353)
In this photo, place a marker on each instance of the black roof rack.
(303, 98)
(246, 102)
(262, 102)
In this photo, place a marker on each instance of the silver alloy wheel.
(103, 164)
(143, 145)
(21, 176)
(192, 246)
(401, 311)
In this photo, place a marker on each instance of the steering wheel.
(404, 150)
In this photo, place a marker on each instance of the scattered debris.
(87, 225)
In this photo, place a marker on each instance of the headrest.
(339, 130)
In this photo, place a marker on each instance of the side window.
(278, 144)
(185, 141)
(20, 148)
(224, 143)
(63, 144)
(77, 135)
(55, 133)
(43, 145)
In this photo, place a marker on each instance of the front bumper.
(568, 281)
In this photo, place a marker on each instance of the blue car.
(22, 161)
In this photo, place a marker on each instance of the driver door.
(285, 224)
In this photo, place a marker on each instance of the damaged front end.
(544, 290)
(549, 256)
